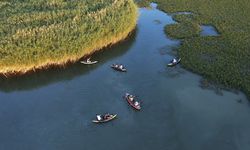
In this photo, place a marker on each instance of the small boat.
(105, 119)
(89, 62)
(118, 67)
(171, 64)
(132, 102)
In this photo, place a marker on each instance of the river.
(52, 110)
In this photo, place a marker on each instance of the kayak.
(105, 120)
(171, 64)
(132, 103)
(118, 69)
(89, 63)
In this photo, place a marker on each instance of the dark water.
(53, 110)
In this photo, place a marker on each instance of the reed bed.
(36, 34)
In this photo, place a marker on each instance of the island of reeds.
(223, 59)
(36, 34)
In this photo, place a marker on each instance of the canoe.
(173, 64)
(106, 120)
(89, 63)
(118, 69)
(131, 103)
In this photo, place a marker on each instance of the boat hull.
(118, 69)
(104, 121)
(174, 64)
(89, 63)
(132, 104)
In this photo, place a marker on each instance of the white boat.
(171, 64)
(109, 118)
(88, 62)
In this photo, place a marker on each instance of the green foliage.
(36, 33)
(185, 18)
(224, 59)
(143, 3)
(183, 29)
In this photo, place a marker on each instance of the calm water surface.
(53, 110)
(208, 30)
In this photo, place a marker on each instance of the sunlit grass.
(38, 33)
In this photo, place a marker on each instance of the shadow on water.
(53, 75)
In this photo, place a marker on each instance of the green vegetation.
(185, 27)
(143, 3)
(38, 33)
(224, 59)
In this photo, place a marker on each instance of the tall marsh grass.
(40, 33)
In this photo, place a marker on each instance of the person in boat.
(136, 103)
(88, 60)
(116, 65)
(99, 117)
(107, 116)
(131, 98)
(121, 66)
(174, 61)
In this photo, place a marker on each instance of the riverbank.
(54, 33)
(223, 59)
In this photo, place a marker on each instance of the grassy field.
(35, 34)
(224, 59)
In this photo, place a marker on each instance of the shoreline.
(73, 37)
(64, 63)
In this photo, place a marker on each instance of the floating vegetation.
(217, 88)
(168, 50)
(173, 72)
(205, 84)
(157, 21)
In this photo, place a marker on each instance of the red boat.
(130, 99)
